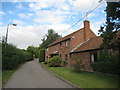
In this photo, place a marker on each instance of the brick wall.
(86, 58)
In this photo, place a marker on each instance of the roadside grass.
(85, 79)
(6, 74)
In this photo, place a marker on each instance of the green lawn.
(85, 79)
(6, 75)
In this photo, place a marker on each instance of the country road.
(32, 75)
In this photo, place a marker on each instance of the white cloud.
(22, 15)
(25, 16)
(84, 5)
(30, 14)
(18, 22)
(51, 17)
(10, 12)
(24, 36)
(2, 13)
(91, 15)
(61, 4)
(38, 5)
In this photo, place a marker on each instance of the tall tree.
(111, 30)
(49, 38)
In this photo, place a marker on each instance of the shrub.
(64, 63)
(55, 61)
(41, 55)
(106, 63)
(77, 64)
(45, 62)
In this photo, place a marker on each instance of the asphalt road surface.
(32, 75)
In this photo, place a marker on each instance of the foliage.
(41, 55)
(110, 30)
(12, 57)
(50, 37)
(27, 55)
(45, 62)
(64, 63)
(55, 61)
(107, 63)
(33, 50)
(77, 63)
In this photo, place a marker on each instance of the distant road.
(32, 75)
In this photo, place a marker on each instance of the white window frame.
(66, 43)
(92, 58)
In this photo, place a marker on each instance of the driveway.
(32, 75)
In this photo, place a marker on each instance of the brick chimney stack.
(87, 30)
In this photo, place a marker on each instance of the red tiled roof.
(64, 38)
(92, 43)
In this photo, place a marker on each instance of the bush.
(12, 57)
(106, 63)
(41, 55)
(55, 61)
(64, 63)
(77, 64)
(45, 62)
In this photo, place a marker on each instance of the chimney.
(86, 29)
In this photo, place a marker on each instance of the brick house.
(82, 43)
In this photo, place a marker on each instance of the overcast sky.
(33, 19)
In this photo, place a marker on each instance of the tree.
(109, 32)
(50, 37)
(41, 55)
(31, 50)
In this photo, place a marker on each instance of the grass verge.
(6, 74)
(85, 79)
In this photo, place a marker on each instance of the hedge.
(12, 57)
(41, 55)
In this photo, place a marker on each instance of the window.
(60, 45)
(66, 43)
(60, 55)
(65, 56)
(47, 49)
(94, 57)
